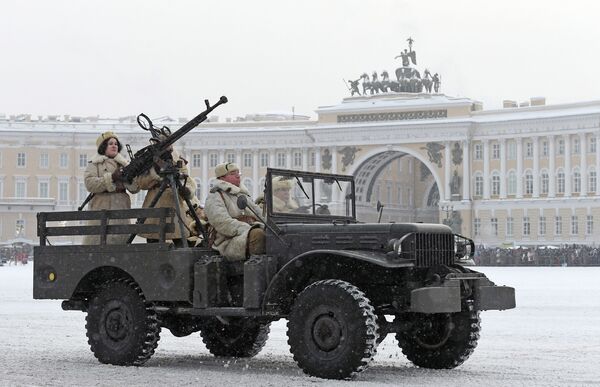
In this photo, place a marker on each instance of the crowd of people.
(570, 255)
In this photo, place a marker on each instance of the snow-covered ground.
(552, 338)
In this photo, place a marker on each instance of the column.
(536, 167)
(503, 180)
(205, 176)
(583, 164)
(272, 158)
(568, 174)
(221, 156)
(597, 163)
(290, 159)
(304, 159)
(466, 171)
(486, 169)
(256, 189)
(334, 169)
(519, 167)
(447, 175)
(551, 167)
(317, 169)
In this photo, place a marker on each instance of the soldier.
(151, 181)
(238, 234)
(282, 202)
(102, 177)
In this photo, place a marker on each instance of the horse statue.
(375, 83)
(427, 81)
(366, 84)
(385, 81)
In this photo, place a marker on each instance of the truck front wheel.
(441, 340)
(332, 330)
(122, 327)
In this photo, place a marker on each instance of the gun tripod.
(171, 178)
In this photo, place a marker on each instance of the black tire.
(441, 340)
(241, 337)
(122, 327)
(332, 330)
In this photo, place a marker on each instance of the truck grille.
(432, 249)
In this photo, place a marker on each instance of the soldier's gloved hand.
(117, 176)
(185, 192)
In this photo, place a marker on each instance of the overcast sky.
(117, 57)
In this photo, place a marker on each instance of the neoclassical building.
(521, 175)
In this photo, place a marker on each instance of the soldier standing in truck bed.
(102, 178)
(238, 235)
(152, 182)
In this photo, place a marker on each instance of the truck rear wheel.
(332, 330)
(241, 337)
(122, 327)
(441, 340)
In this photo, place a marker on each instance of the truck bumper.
(447, 298)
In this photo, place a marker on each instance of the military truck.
(342, 285)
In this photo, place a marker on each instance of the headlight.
(395, 245)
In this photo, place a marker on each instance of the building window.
(20, 228)
(560, 182)
(477, 152)
(494, 225)
(249, 185)
(43, 191)
(198, 191)
(230, 158)
(576, 181)
(561, 146)
(557, 225)
(545, 182)
(545, 148)
(529, 149)
(592, 144)
(247, 160)
(512, 183)
(81, 191)
(476, 226)
(213, 160)
(592, 180)
(509, 226)
(574, 225)
(400, 198)
(298, 159)
(21, 160)
(495, 151)
(526, 226)
(478, 185)
(63, 160)
(83, 160)
(589, 225)
(495, 184)
(20, 188)
(44, 160)
(576, 146)
(512, 150)
(281, 159)
(542, 227)
(196, 160)
(63, 192)
(528, 183)
(311, 159)
(264, 159)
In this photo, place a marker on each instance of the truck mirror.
(242, 202)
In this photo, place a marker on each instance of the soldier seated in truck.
(238, 233)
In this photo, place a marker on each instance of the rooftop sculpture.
(408, 78)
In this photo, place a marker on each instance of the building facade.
(515, 176)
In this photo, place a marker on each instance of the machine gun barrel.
(145, 157)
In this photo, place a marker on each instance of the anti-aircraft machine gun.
(144, 159)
